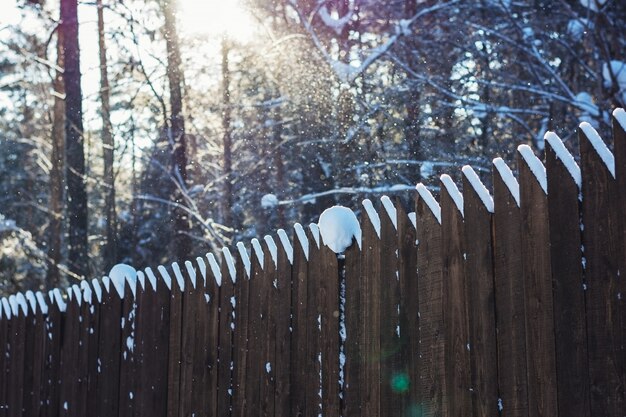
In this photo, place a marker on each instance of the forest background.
(146, 131)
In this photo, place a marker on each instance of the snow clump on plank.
(338, 226)
(269, 201)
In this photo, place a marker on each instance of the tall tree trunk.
(108, 148)
(181, 240)
(227, 164)
(56, 172)
(75, 157)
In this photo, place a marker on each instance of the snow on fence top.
(564, 156)
(479, 187)
(430, 201)
(535, 165)
(453, 191)
(600, 147)
(338, 226)
(620, 116)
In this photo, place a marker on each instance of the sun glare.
(216, 18)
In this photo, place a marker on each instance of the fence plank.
(540, 345)
(190, 321)
(570, 327)
(253, 365)
(144, 340)
(391, 395)
(431, 355)
(353, 316)
(329, 335)
(478, 248)
(109, 348)
(15, 388)
(52, 360)
(457, 400)
(5, 324)
(409, 313)
(619, 149)
(225, 331)
(240, 348)
(370, 325)
(313, 366)
(600, 240)
(299, 326)
(282, 368)
(267, 335)
(509, 293)
(69, 400)
(30, 335)
(127, 360)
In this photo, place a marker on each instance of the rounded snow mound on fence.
(338, 225)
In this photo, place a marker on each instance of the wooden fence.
(472, 306)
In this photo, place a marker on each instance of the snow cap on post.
(21, 302)
(600, 147)
(315, 232)
(454, 192)
(338, 226)
(479, 187)
(201, 267)
(180, 280)
(271, 246)
(286, 244)
(6, 308)
(41, 301)
(620, 115)
(535, 165)
(304, 242)
(151, 277)
(141, 278)
(413, 217)
(191, 271)
(32, 301)
(430, 201)
(97, 289)
(121, 273)
(509, 179)
(258, 251)
(372, 214)
(106, 282)
(77, 294)
(55, 294)
(167, 279)
(391, 210)
(230, 263)
(215, 269)
(245, 259)
(564, 156)
(86, 290)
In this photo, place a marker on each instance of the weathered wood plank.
(431, 385)
(174, 350)
(69, 400)
(283, 314)
(601, 251)
(299, 328)
(254, 367)
(52, 360)
(15, 388)
(540, 344)
(409, 313)
(313, 347)
(570, 328)
(479, 274)
(5, 324)
(267, 334)
(329, 335)
(509, 290)
(391, 393)
(226, 326)
(127, 359)
(240, 348)
(456, 355)
(370, 324)
(189, 323)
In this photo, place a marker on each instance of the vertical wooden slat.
(370, 324)
(391, 393)
(52, 361)
(144, 340)
(619, 208)
(68, 403)
(299, 328)
(540, 344)
(5, 324)
(174, 350)
(313, 366)
(240, 348)
(353, 360)
(409, 313)
(457, 400)
(283, 314)
(158, 395)
(267, 333)
(570, 328)
(601, 244)
(431, 383)
(15, 387)
(82, 358)
(38, 361)
(29, 361)
(93, 342)
(127, 359)
(253, 364)
(226, 325)
(329, 337)
(109, 349)
(509, 292)
(481, 302)
(189, 323)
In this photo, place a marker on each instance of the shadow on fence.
(473, 305)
